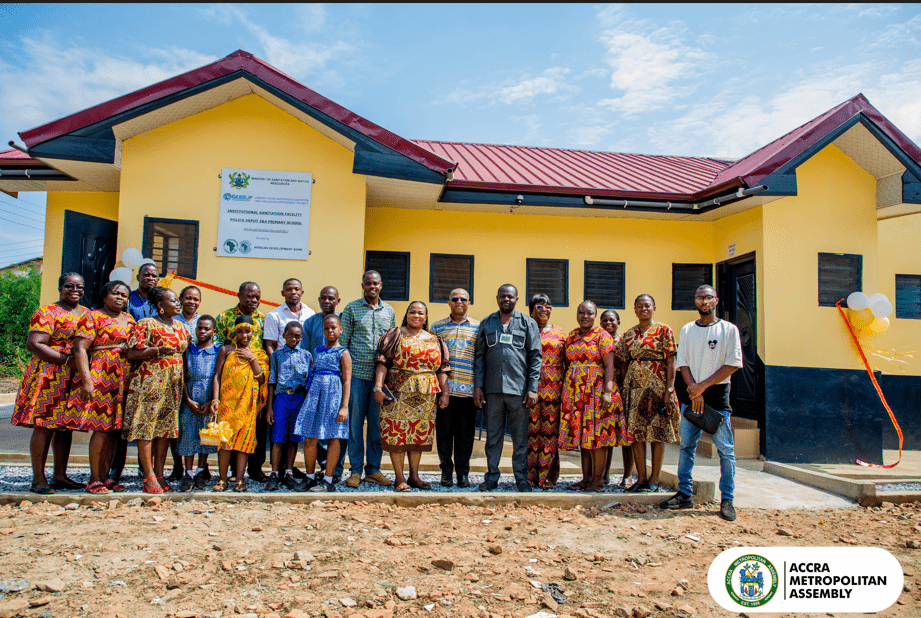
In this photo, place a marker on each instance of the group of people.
(147, 367)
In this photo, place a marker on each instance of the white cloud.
(877, 11)
(896, 35)
(313, 17)
(47, 80)
(552, 81)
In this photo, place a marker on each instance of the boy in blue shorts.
(289, 370)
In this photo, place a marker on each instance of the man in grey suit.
(506, 368)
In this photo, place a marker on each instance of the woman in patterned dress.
(610, 321)
(155, 390)
(591, 402)
(41, 402)
(99, 402)
(416, 365)
(544, 418)
(646, 354)
(240, 379)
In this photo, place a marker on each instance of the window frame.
(468, 287)
(153, 220)
(368, 267)
(623, 283)
(689, 304)
(528, 292)
(859, 287)
(902, 314)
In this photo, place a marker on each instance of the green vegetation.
(19, 297)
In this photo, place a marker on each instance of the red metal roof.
(557, 170)
(16, 158)
(239, 60)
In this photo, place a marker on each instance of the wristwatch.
(671, 389)
(376, 389)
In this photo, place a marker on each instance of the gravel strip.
(913, 487)
(17, 479)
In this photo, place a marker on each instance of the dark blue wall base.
(904, 396)
(821, 416)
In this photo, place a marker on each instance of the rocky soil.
(155, 558)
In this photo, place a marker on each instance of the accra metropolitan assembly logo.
(751, 580)
(239, 180)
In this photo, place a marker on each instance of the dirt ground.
(9, 384)
(204, 558)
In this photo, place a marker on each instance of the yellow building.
(830, 208)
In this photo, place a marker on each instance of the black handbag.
(709, 420)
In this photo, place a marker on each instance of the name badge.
(507, 339)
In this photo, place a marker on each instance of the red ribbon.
(879, 391)
(215, 288)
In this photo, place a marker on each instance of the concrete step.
(746, 438)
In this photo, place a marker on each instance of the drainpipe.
(30, 173)
(16, 146)
(681, 206)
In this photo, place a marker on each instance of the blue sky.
(687, 79)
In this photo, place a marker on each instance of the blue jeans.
(722, 439)
(363, 407)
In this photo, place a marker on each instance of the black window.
(172, 244)
(908, 297)
(449, 272)
(604, 284)
(550, 277)
(686, 278)
(839, 275)
(394, 269)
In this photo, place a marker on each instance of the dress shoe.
(523, 486)
(727, 511)
(187, 483)
(447, 480)
(488, 485)
(676, 502)
(463, 480)
(288, 481)
(272, 483)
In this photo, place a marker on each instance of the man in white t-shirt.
(709, 351)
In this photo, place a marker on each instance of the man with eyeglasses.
(455, 425)
(709, 351)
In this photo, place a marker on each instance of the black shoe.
(176, 474)
(206, 474)
(463, 481)
(446, 479)
(66, 484)
(678, 501)
(306, 485)
(272, 483)
(296, 473)
(488, 485)
(323, 486)
(200, 481)
(187, 483)
(523, 486)
(727, 511)
(288, 482)
(637, 488)
(337, 478)
(259, 476)
(44, 491)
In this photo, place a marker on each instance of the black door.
(737, 286)
(89, 249)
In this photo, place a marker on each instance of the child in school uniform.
(325, 413)
(195, 412)
(289, 370)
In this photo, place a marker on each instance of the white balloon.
(858, 301)
(876, 297)
(881, 308)
(123, 273)
(132, 258)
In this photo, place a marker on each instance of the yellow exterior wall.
(172, 172)
(103, 205)
(899, 254)
(501, 243)
(834, 212)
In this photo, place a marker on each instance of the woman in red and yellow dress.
(41, 402)
(591, 401)
(100, 353)
(155, 390)
(415, 364)
(544, 418)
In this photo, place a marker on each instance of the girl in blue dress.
(195, 411)
(324, 414)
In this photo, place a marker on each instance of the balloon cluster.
(869, 315)
(132, 260)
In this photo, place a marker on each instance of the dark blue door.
(90, 245)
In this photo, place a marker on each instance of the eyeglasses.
(458, 299)
(543, 307)
(705, 298)
(72, 286)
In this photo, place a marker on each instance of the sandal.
(96, 488)
(113, 486)
(239, 486)
(151, 486)
(577, 486)
(420, 484)
(220, 486)
(166, 488)
(402, 487)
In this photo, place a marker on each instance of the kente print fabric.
(544, 418)
(652, 416)
(45, 387)
(586, 421)
(241, 398)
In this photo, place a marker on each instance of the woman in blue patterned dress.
(325, 412)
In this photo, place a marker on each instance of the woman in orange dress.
(100, 353)
(155, 390)
(591, 401)
(41, 402)
(415, 364)
(544, 418)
